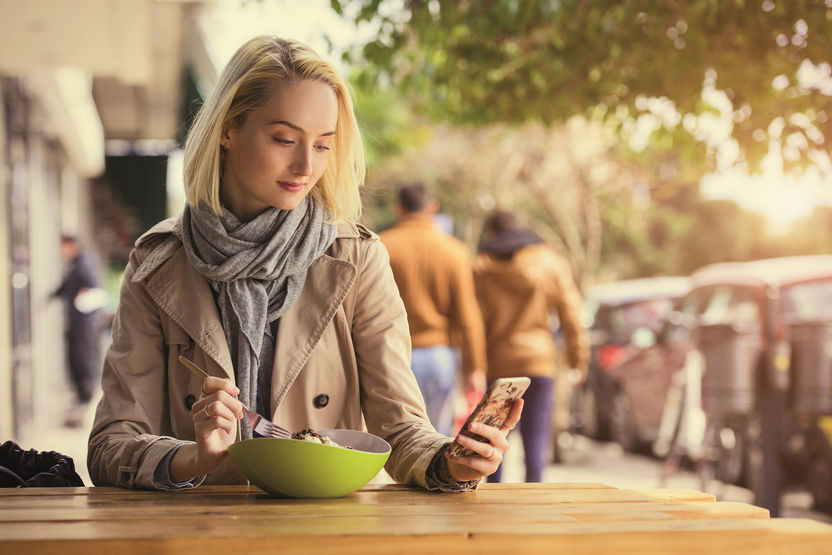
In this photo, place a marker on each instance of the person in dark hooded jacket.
(83, 328)
(519, 280)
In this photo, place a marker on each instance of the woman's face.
(280, 151)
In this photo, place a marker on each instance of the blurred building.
(93, 96)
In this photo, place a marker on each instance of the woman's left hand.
(489, 455)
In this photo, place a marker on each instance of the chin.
(289, 203)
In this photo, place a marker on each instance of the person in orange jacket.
(519, 280)
(433, 272)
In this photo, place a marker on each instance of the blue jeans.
(535, 428)
(435, 369)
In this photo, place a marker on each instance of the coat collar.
(186, 296)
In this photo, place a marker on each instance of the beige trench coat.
(345, 337)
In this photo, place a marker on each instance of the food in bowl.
(308, 434)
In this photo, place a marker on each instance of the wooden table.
(507, 518)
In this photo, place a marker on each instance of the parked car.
(764, 331)
(612, 312)
(819, 463)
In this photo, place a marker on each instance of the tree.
(515, 60)
(721, 231)
(559, 179)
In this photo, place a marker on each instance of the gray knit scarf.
(257, 269)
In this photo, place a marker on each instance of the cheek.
(321, 165)
(266, 158)
(251, 160)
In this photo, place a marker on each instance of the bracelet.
(443, 474)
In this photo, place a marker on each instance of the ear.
(225, 137)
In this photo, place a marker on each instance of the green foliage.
(387, 124)
(489, 61)
(388, 128)
(720, 231)
(683, 232)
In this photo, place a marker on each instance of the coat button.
(189, 401)
(321, 401)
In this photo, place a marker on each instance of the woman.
(267, 282)
(519, 280)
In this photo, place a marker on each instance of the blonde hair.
(246, 83)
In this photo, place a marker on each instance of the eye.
(284, 141)
(322, 148)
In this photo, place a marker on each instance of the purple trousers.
(535, 428)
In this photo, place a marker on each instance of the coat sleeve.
(391, 402)
(566, 299)
(130, 434)
(469, 319)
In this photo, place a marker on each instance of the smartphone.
(492, 410)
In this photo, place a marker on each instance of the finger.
(213, 417)
(212, 384)
(495, 436)
(479, 465)
(212, 410)
(514, 415)
(231, 402)
(205, 425)
(232, 408)
(481, 448)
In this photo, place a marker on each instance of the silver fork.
(261, 425)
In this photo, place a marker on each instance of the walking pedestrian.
(80, 291)
(433, 273)
(519, 281)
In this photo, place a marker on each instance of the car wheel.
(622, 424)
(589, 412)
(819, 472)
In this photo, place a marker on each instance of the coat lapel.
(327, 284)
(185, 295)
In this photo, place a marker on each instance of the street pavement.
(586, 460)
(582, 460)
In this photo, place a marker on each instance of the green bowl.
(297, 468)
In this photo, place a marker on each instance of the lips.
(291, 186)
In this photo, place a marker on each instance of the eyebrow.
(297, 127)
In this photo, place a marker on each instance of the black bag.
(19, 468)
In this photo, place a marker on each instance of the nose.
(302, 161)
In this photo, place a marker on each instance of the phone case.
(493, 409)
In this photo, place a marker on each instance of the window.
(807, 301)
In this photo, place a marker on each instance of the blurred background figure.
(519, 279)
(83, 299)
(433, 272)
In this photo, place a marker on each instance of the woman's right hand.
(215, 417)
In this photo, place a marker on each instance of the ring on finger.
(208, 414)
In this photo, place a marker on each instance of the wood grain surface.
(512, 518)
